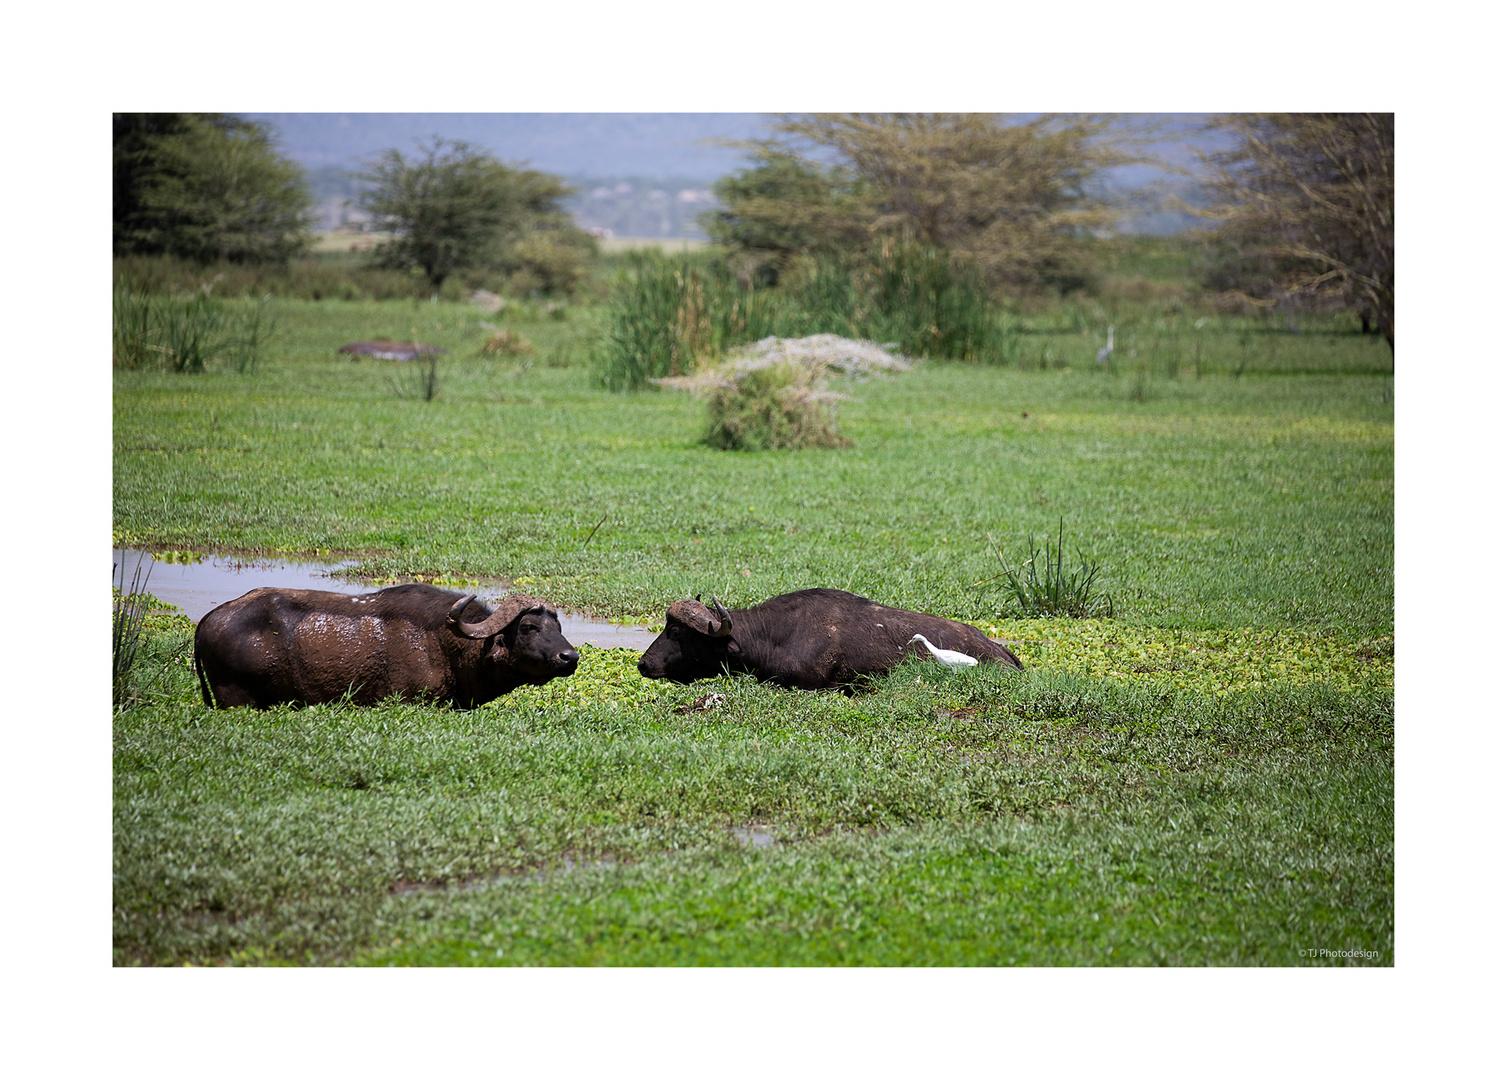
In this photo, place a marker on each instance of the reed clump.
(188, 334)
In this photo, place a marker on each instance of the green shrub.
(549, 265)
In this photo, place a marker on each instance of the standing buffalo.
(412, 641)
(815, 639)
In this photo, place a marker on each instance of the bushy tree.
(785, 207)
(207, 187)
(134, 162)
(1305, 210)
(1012, 198)
(454, 207)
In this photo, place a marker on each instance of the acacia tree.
(1306, 209)
(208, 187)
(454, 207)
(1013, 197)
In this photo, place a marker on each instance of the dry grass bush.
(830, 353)
(773, 395)
(507, 343)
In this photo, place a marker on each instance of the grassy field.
(612, 245)
(1204, 779)
(342, 241)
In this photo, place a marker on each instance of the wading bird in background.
(1109, 347)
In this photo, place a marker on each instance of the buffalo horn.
(510, 608)
(457, 607)
(725, 627)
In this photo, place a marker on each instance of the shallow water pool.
(196, 588)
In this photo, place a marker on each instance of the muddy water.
(198, 587)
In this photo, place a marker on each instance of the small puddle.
(755, 835)
(490, 881)
(196, 588)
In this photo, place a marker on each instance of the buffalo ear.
(733, 646)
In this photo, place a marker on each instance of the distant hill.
(661, 207)
(641, 206)
(650, 145)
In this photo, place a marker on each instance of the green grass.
(1209, 773)
(1216, 502)
(986, 818)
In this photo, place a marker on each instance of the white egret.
(1109, 347)
(946, 656)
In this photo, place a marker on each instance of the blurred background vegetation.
(928, 231)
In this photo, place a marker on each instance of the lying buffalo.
(815, 639)
(412, 641)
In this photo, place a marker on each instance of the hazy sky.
(570, 144)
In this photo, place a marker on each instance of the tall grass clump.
(419, 378)
(671, 316)
(910, 294)
(187, 334)
(127, 629)
(135, 330)
(255, 330)
(1042, 588)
